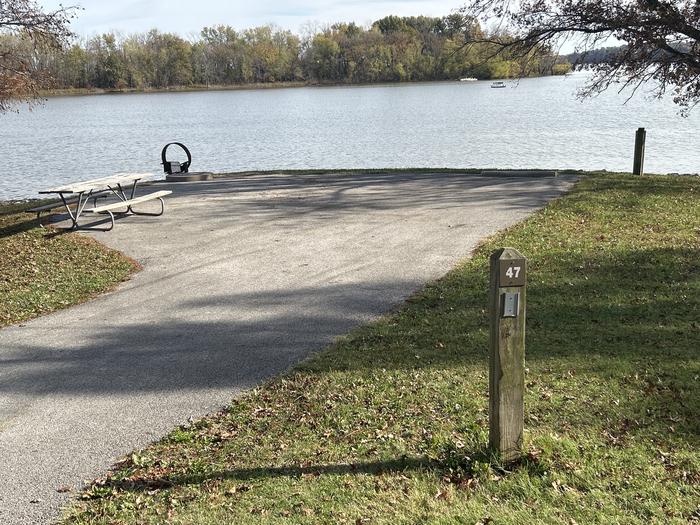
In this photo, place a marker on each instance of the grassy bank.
(378, 171)
(65, 92)
(385, 171)
(174, 89)
(390, 424)
(346, 171)
(43, 270)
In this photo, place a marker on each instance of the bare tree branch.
(24, 30)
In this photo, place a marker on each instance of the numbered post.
(507, 352)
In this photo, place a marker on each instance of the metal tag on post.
(509, 307)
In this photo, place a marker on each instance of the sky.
(187, 17)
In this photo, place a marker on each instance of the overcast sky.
(189, 17)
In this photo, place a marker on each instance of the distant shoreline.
(68, 92)
(77, 92)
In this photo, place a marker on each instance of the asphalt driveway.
(242, 278)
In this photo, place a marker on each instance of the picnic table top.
(96, 184)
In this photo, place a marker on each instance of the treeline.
(390, 50)
(599, 55)
(609, 55)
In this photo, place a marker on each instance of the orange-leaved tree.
(26, 29)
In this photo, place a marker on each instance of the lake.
(534, 123)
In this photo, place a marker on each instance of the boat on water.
(498, 84)
(468, 79)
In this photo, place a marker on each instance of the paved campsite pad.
(242, 278)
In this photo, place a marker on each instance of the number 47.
(513, 272)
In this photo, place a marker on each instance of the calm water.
(538, 124)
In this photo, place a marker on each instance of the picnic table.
(75, 197)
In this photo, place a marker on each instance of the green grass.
(389, 426)
(345, 171)
(42, 270)
(366, 171)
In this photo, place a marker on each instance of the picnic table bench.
(75, 197)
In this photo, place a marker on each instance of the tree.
(323, 58)
(170, 58)
(24, 30)
(661, 37)
(108, 67)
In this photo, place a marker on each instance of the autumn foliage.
(25, 30)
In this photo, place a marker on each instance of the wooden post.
(639, 148)
(507, 353)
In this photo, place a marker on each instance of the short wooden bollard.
(507, 353)
(639, 149)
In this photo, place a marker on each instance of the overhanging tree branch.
(24, 30)
(661, 37)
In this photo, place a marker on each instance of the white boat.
(468, 79)
(498, 84)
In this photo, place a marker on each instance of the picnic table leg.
(111, 217)
(79, 207)
(133, 192)
(83, 200)
(162, 210)
(38, 219)
(70, 212)
(121, 194)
